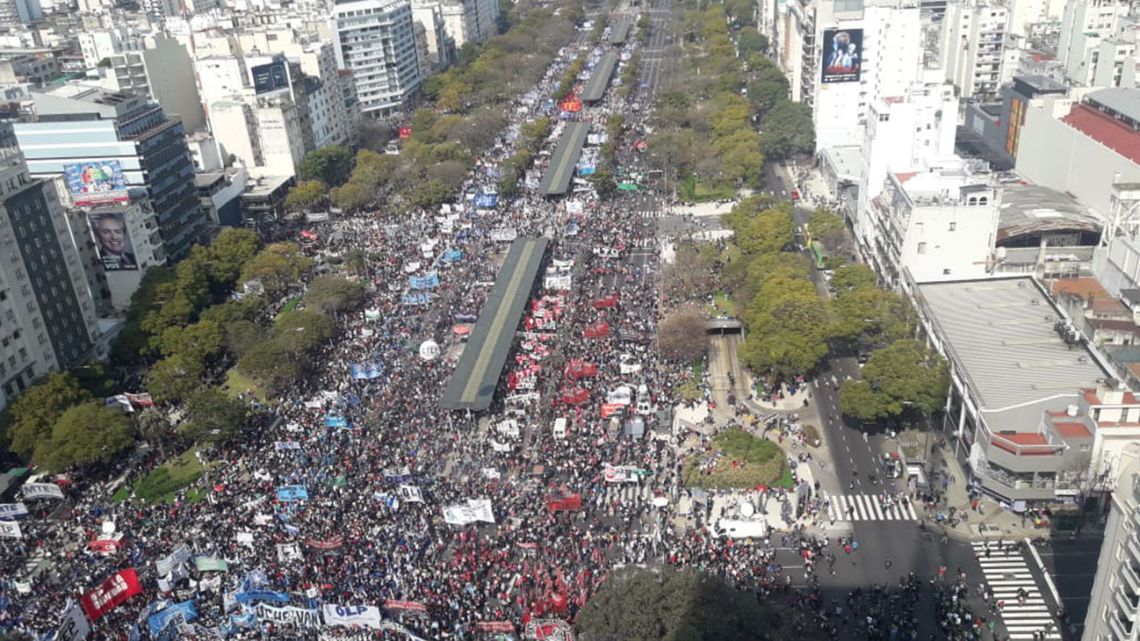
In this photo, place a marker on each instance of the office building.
(13, 12)
(74, 126)
(1085, 24)
(158, 67)
(47, 315)
(376, 40)
(997, 126)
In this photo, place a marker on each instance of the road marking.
(1044, 572)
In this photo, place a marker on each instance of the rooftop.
(1106, 130)
(1040, 83)
(1121, 100)
(1000, 334)
(1028, 209)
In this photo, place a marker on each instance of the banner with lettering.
(474, 510)
(288, 552)
(351, 616)
(9, 511)
(327, 544)
(119, 587)
(300, 617)
(104, 546)
(287, 445)
(250, 596)
(10, 530)
(33, 491)
(175, 615)
(501, 627)
(405, 606)
(289, 493)
(74, 626)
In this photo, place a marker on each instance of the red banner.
(119, 587)
(405, 133)
(408, 606)
(103, 546)
(570, 503)
(609, 409)
(330, 544)
(578, 368)
(576, 397)
(608, 302)
(495, 626)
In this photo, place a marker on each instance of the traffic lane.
(1071, 564)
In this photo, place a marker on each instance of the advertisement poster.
(269, 77)
(96, 183)
(842, 55)
(112, 242)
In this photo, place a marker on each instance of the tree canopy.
(91, 432)
(328, 165)
(682, 337)
(905, 377)
(788, 130)
(32, 416)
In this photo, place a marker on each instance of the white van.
(560, 427)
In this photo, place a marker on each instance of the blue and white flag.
(290, 493)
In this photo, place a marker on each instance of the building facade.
(1115, 600)
(376, 39)
(973, 46)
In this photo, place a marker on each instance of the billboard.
(96, 183)
(112, 241)
(842, 55)
(269, 76)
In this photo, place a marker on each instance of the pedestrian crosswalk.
(1006, 572)
(32, 564)
(868, 507)
(649, 213)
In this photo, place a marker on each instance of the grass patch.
(722, 305)
(121, 494)
(811, 433)
(689, 391)
(291, 304)
(738, 460)
(730, 254)
(164, 482)
(237, 383)
(695, 191)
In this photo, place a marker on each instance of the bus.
(819, 255)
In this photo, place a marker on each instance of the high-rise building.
(14, 12)
(1084, 24)
(376, 39)
(158, 67)
(973, 46)
(74, 126)
(1115, 600)
(47, 315)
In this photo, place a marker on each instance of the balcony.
(1129, 576)
(1121, 627)
(1125, 606)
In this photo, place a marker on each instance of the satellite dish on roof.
(108, 527)
(746, 509)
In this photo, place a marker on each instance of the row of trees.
(531, 137)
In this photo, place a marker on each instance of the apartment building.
(376, 40)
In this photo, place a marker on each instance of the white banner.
(502, 448)
(288, 551)
(42, 491)
(74, 626)
(506, 234)
(560, 283)
(167, 564)
(474, 510)
(491, 473)
(411, 494)
(622, 395)
(12, 510)
(245, 538)
(10, 530)
(509, 427)
(351, 616)
(622, 473)
(300, 617)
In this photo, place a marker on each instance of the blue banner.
(158, 622)
(332, 420)
(424, 282)
(366, 371)
(587, 170)
(486, 201)
(416, 299)
(243, 621)
(290, 493)
(452, 256)
(250, 596)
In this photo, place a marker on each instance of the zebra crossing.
(867, 507)
(1006, 573)
(649, 213)
(624, 494)
(32, 564)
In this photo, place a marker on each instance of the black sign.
(842, 55)
(269, 77)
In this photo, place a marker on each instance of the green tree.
(853, 277)
(241, 336)
(32, 415)
(772, 230)
(305, 194)
(351, 195)
(682, 337)
(230, 250)
(764, 94)
(787, 334)
(271, 363)
(301, 331)
(788, 131)
(678, 605)
(200, 341)
(154, 428)
(91, 432)
(828, 228)
(905, 378)
(213, 416)
(277, 266)
(331, 165)
(330, 294)
(604, 183)
(751, 41)
(174, 378)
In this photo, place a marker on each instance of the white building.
(264, 134)
(13, 12)
(376, 40)
(1084, 25)
(160, 69)
(937, 224)
(1115, 600)
(466, 20)
(886, 40)
(901, 133)
(1082, 144)
(973, 46)
(437, 44)
(141, 227)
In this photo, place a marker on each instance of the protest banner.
(32, 491)
(210, 564)
(290, 493)
(288, 552)
(119, 587)
(10, 530)
(351, 616)
(10, 511)
(286, 445)
(74, 626)
(166, 565)
(405, 606)
(300, 617)
(176, 615)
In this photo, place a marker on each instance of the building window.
(953, 226)
(946, 272)
(922, 248)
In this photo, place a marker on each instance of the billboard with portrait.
(112, 242)
(842, 55)
(96, 183)
(269, 77)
